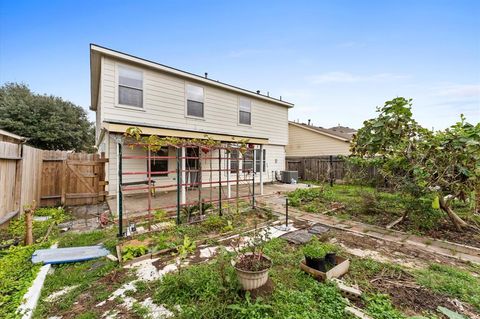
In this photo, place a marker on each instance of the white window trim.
(186, 102)
(117, 83)
(238, 112)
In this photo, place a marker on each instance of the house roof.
(12, 136)
(97, 51)
(343, 129)
(343, 136)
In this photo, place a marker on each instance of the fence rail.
(28, 174)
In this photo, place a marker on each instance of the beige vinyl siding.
(304, 142)
(164, 105)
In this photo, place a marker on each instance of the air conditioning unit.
(289, 177)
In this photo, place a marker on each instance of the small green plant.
(132, 251)
(379, 306)
(330, 248)
(314, 249)
(160, 215)
(228, 227)
(188, 247)
(163, 241)
(213, 222)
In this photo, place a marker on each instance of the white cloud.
(345, 77)
(459, 91)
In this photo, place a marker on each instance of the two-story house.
(130, 91)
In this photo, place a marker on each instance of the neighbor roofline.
(95, 48)
(319, 132)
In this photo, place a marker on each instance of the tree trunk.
(459, 223)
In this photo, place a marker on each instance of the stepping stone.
(300, 236)
(318, 229)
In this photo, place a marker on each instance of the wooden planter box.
(339, 270)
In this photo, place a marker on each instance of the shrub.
(213, 222)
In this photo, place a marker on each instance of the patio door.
(192, 164)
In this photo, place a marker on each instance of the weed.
(140, 310)
(133, 251)
(379, 306)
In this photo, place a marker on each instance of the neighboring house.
(308, 140)
(129, 91)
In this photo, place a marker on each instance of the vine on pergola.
(155, 142)
(419, 161)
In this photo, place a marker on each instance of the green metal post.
(179, 182)
(219, 182)
(119, 188)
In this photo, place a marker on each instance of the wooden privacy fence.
(49, 178)
(325, 168)
(72, 178)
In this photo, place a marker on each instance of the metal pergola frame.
(181, 185)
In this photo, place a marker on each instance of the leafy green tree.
(418, 161)
(48, 122)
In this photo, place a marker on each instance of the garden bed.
(207, 287)
(381, 207)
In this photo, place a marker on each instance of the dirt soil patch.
(446, 231)
(414, 299)
(261, 292)
(394, 252)
(86, 301)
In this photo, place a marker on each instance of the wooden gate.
(72, 178)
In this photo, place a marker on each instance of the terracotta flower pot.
(250, 280)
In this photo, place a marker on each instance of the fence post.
(331, 170)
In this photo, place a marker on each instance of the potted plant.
(252, 265)
(330, 254)
(315, 255)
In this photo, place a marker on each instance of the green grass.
(16, 275)
(379, 306)
(211, 290)
(372, 206)
(107, 237)
(86, 275)
(17, 272)
(451, 281)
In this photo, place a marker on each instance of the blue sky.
(336, 60)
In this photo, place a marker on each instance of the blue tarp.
(68, 255)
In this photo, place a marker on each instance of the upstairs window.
(130, 87)
(194, 100)
(245, 111)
